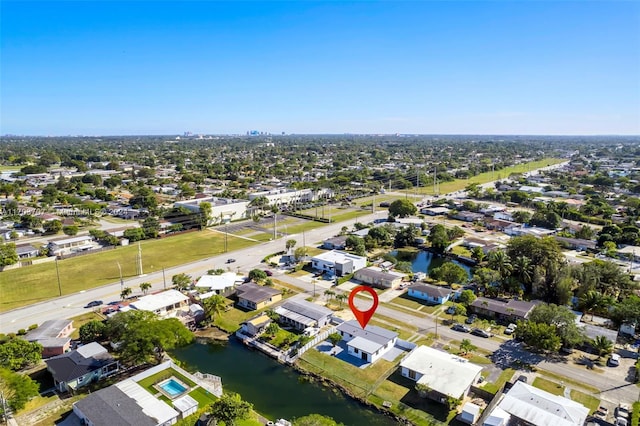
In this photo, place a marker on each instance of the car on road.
(614, 360)
(480, 332)
(471, 319)
(93, 304)
(268, 272)
(230, 260)
(113, 303)
(460, 327)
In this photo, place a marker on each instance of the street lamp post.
(121, 280)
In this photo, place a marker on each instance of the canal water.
(425, 261)
(275, 390)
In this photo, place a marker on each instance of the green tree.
(16, 354)
(290, 244)
(151, 227)
(466, 298)
(257, 275)
(458, 309)
(230, 408)
(591, 301)
(404, 266)
(405, 237)
(602, 345)
(300, 253)
(52, 226)
(466, 346)
(402, 208)
(92, 331)
(627, 310)
(439, 238)
(17, 389)
(539, 335)
(477, 254)
(499, 261)
(356, 244)
(272, 329)
(485, 278)
(335, 338)
(561, 319)
(315, 420)
(329, 294)
(126, 292)
(213, 306)
(450, 273)
(8, 254)
(205, 214)
(70, 230)
(341, 298)
(181, 281)
(145, 287)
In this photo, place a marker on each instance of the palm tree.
(329, 294)
(126, 292)
(341, 298)
(466, 346)
(144, 287)
(477, 254)
(499, 261)
(590, 301)
(602, 345)
(213, 306)
(524, 269)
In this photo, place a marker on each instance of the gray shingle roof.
(371, 332)
(111, 406)
(519, 308)
(256, 293)
(74, 364)
(431, 290)
(308, 309)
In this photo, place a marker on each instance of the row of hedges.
(635, 414)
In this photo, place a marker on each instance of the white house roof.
(539, 407)
(71, 240)
(218, 282)
(365, 345)
(185, 403)
(443, 372)
(335, 256)
(91, 350)
(377, 335)
(153, 302)
(150, 405)
(497, 417)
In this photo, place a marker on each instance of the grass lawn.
(589, 401)
(161, 375)
(83, 319)
(230, 320)
(282, 338)
(37, 402)
(359, 381)
(406, 402)
(36, 283)
(458, 184)
(461, 251)
(412, 303)
(504, 377)
(203, 396)
(549, 386)
(396, 322)
(403, 333)
(569, 381)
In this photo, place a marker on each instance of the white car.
(510, 329)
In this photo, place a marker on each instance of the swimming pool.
(172, 387)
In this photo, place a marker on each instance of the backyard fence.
(317, 339)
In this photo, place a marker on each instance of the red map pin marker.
(363, 317)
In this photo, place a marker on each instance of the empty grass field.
(37, 283)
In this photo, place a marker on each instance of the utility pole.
(164, 279)
(226, 236)
(140, 271)
(58, 275)
(121, 280)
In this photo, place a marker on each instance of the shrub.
(22, 332)
(33, 327)
(635, 414)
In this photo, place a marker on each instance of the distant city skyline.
(424, 67)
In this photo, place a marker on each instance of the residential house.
(520, 230)
(338, 263)
(26, 251)
(253, 296)
(256, 325)
(222, 284)
(125, 403)
(502, 310)
(53, 335)
(378, 277)
(335, 243)
(468, 216)
(301, 314)
(62, 246)
(445, 375)
(368, 344)
(165, 304)
(435, 211)
(576, 243)
(78, 368)
(222, 209)
(525, 404)
(431, 293)
(498, 224)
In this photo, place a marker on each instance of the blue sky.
(433, 67)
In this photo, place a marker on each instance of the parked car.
(522, 378)
(510, 329)
(602, 412)
(93, 304)
(230, 260)
(460, 327)
(471, 319)
(614, 360)
(268, 272)
(480, 332)
(621, 421)
(451, 310)
(622, 411)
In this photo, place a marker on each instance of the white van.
(614, 361)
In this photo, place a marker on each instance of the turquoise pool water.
(172, 387)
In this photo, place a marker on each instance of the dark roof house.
(82, 366)
(53, 335)
(507, 310)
